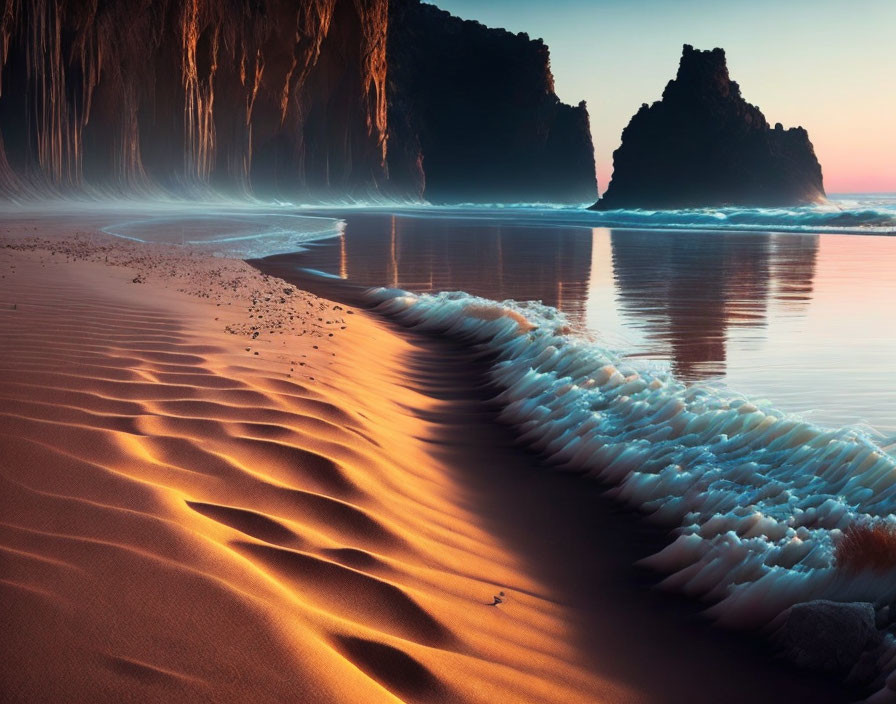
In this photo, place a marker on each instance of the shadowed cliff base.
(295, 100)
(704, 145)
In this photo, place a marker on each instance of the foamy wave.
(760, 498)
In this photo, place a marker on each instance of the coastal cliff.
(473, 115)
(704, 145)
(289, 99)
(193, 95)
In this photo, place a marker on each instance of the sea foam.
(758, 498)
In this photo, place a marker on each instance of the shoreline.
(587, 545)
(186, 447)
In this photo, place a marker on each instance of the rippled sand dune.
(191, 514)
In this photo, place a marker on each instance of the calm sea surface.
(807, 321)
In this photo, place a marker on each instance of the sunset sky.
(828, 65)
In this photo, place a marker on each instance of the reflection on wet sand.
(793, 269)
(687, 293)
(487, 259)
(778, 316)
(683, 293)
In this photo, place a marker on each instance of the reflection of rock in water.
(486, 259)
(793, 269)
(688, 290)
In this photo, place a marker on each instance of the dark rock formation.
(704, 145)
(473, 112)
(828, 636)
(273, 98)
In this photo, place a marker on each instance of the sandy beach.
(191, 513)
(219, 487)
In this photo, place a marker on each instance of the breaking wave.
(759, 498)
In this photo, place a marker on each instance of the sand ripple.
(189, 514)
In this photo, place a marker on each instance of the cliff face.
(275, 95)
(274, 98)
(704, 145)
(473, 116)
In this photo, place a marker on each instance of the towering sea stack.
(704, 145)
(472, 111)
(277, 99)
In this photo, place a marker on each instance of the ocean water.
(738, 386)
(221, 227)
(803, 319)
(853, 214)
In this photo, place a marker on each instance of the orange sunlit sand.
(188, 510)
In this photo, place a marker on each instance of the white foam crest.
(758, 498)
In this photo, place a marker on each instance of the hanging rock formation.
(703, 145)
(268, 98)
